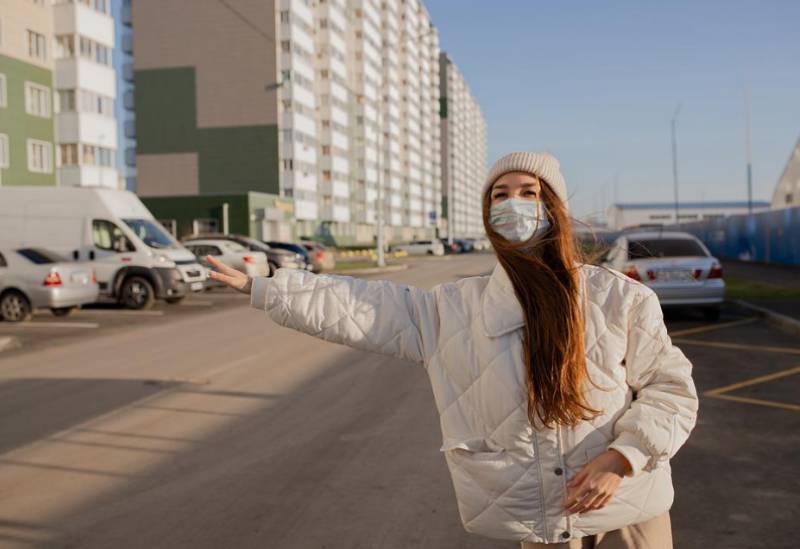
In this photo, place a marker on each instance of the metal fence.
(771, 237)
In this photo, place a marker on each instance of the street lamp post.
(749, 153)
(673, 125)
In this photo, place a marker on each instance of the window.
(151, 233)
(108, 236)
(285, 17)
(37, 100)
(65, 46)
(96, 156)
(65, 100)
(40, 156)
(37, 45)
(3, 92)
(788, 198)
(40, 257)
(68, 154)
(664, 247)
(4, 154)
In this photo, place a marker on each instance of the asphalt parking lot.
(98, 320)
(119, 424)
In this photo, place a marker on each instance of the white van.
(136, 260)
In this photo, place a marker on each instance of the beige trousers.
(655, 533)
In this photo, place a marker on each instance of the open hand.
(595, 484)
(230, 276)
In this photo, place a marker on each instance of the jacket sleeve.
(371, 315)
(664, 409)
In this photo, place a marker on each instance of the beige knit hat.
(542, 165)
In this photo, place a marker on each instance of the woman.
(560, 394)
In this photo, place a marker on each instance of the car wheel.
(711, 314)
(136, 293)
(272, 268)
(15, 307)
(62, 311)
(174, 300)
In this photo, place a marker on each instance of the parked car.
(421, 247)
(465, 244)
(231, 253)
(676, 265)
(135, 259)
(453, 248)
(32, 278)
(293, 247)
(276, 258)
(481, 244)
(322, 259)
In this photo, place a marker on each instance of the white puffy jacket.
(509, 476)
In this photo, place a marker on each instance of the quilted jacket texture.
(510, 476)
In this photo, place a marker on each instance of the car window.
(40, 257)
(151, 233)
(664, 247)
(233, 247)
(107, 236)
(214, 250)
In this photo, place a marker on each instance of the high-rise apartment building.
(327, 110)
(85, 81)
(27, 140)
(463, 152)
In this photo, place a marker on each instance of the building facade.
(622, 216)
(787, 191)
(27, 136)
(85, 81)
(330, 105)
(124, 106)
(463, 130)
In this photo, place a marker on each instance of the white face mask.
(518, 220)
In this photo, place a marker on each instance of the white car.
(421, 247)
(232, 253)
(32, 278)
(676, 265)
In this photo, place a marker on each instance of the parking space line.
(719, 392)
(122, 312)
(759, 402)
(723, 345)
(754, 381)
(717, 326)
(196, 303)
(53, 325)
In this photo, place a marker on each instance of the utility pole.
(673, 125)
(749, 152)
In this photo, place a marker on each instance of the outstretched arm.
(378, 315)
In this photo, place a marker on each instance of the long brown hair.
(547, 284)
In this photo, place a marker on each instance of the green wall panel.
(21, 126)
(230, 159)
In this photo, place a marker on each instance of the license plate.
(674, 275)
(193, 274)
(196, 286)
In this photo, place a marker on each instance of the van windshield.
(151, 233)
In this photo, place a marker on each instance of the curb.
(372, 270)
(8, 343)
(786, 323)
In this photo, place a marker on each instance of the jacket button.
(565, 535)
(559, 471)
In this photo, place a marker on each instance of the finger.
(235, 283)
(574, 500)
(222, 267)
(604, 501)
(578, 478)
(592, 502)
(586, 501)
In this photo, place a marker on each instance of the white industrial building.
(85, 82)
(621, 216)
(787, 191)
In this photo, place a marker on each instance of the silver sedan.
(676, 265)
(32, 278)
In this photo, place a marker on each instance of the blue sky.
(596, 84)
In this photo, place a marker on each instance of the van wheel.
(62, 311)
(174, 300)
(136, 293)
(711, 314)
(15, 307)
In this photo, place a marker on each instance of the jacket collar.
(500, 307)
